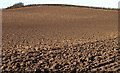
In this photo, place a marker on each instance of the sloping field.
(56, 38)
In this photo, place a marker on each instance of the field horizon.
(63, 5)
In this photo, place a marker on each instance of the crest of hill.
(19, 5)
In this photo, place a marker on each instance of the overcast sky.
(94, 3)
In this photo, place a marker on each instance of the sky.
(93, 3)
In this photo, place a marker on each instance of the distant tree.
(17, 5)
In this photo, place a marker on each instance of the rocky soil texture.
(54, 38)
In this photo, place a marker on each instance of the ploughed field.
(56, 38)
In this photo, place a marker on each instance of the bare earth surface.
(55, 38)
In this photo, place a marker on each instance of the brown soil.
(55, 38)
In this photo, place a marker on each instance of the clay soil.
(56, 38)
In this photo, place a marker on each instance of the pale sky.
(94, 3)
